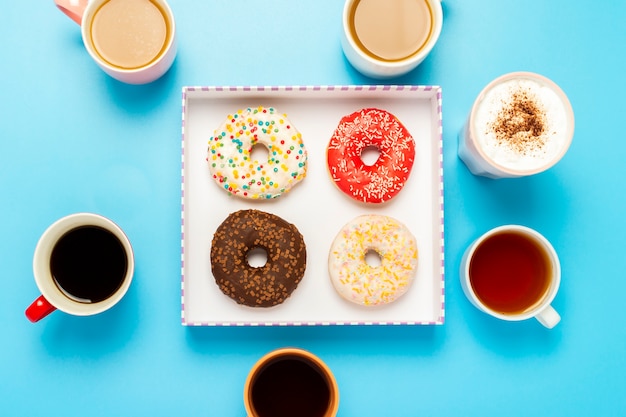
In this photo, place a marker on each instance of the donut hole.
(260, 153)
(373, 259)
(256, 257)
(369, 155)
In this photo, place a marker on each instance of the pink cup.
(132, 29)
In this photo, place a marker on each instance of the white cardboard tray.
(315, 206)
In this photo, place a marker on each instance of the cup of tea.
(134, 41)
(291, 382)
(520, 124)
(513, 273)
(384, 39)
(83, 265)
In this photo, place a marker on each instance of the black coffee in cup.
(290, 386)
(88, 264)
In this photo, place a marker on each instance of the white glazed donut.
(230, 149)
(356, 280)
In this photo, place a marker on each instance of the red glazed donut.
(370, 128)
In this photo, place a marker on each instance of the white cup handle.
(548, 317)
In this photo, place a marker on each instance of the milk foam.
(552, 141)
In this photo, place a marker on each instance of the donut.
(230, 160)
(267, 285)
(370, 128)
(357, 281)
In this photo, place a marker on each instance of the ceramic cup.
(520, 124)
(83, 265)
(512, 273)
(134, 41)
(291, 382)
(385, 39)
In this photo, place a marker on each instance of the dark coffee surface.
(290, 388)
(89, 263)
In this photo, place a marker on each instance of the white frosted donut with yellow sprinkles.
(356, 280)
(230, 154)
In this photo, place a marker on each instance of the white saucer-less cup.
(83, 13)
(52, 297)
(541, 310)
(520, 124)
(374, 67)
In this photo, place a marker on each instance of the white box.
(316, 206)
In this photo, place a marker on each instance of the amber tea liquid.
(510, 273)
(391, 30)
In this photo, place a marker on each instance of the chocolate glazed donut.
(270, 284)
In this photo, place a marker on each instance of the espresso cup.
(520, 124)
(384, 39)
(291, 382)
(83, 265)
(134, 41)
(512, 273)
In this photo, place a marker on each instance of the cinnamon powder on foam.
(521, 123)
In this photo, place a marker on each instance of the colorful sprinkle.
(356, 280)
(228, 153)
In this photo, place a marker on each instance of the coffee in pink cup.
(134, 41)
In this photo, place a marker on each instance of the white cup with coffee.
(83, 265)
(513, 273)
(520, 124)
(389, 38)
(134, 41)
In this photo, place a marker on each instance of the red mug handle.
(39, 309)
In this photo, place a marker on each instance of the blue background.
(73, 139)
